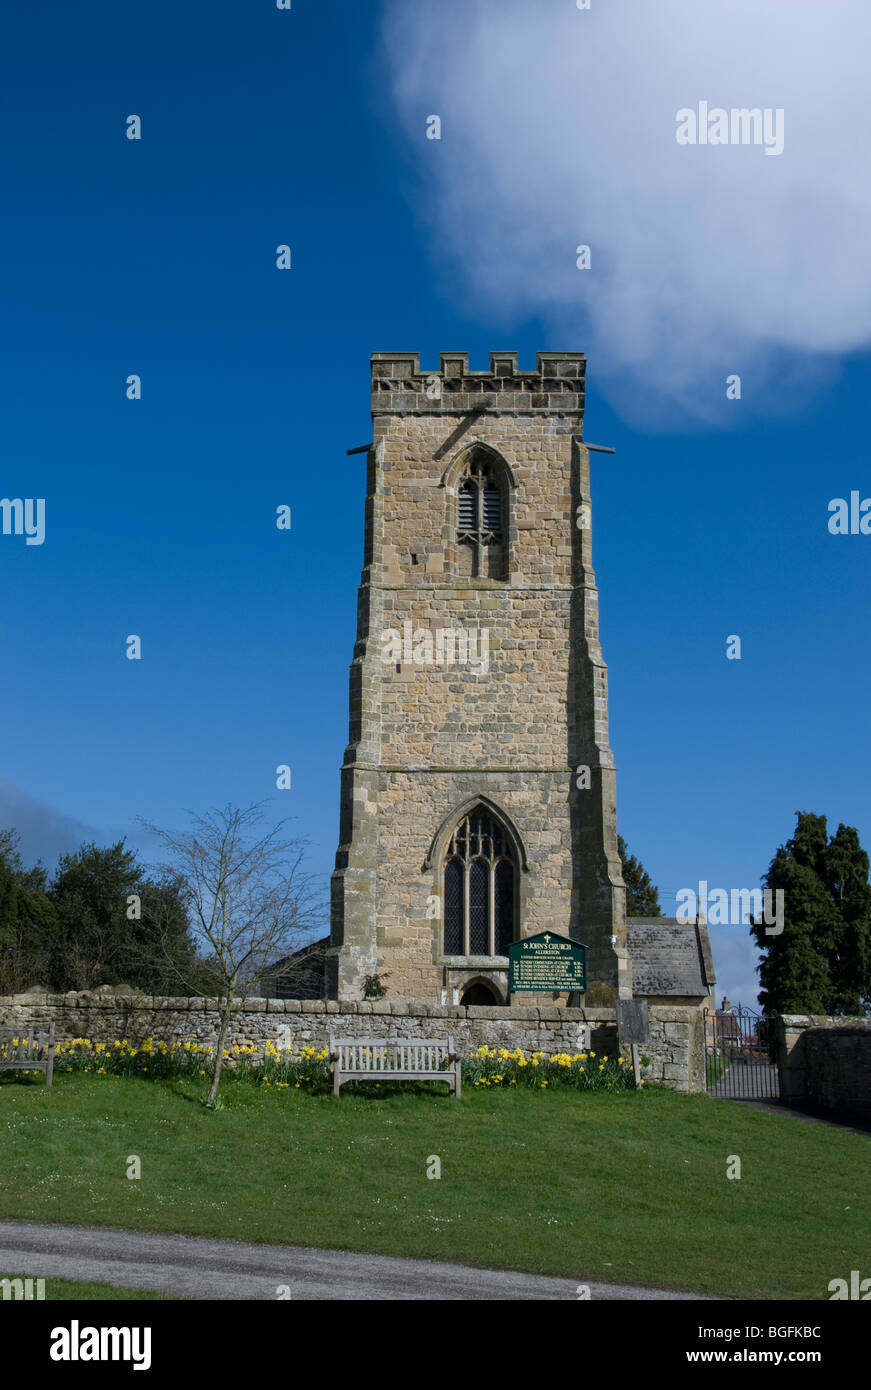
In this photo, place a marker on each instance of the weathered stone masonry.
(675, 1050)
(826, 1062)
(428, 741)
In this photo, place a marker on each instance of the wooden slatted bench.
(394, 1059)
(28, 1049)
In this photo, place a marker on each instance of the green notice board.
(547, 962)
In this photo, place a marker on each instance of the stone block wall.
(677, 1047)
(675, 1051)
(826, 1062)
(428, 738)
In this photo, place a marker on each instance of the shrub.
(374, 987)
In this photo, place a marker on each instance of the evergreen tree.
(8, 891)
(821, 962)
(642, 894)
(90, 892)
(104, 937)
(28, 921)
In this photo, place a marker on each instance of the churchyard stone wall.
(826, 1062)
(675, 1050)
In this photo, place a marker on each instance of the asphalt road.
(193, 1267)
(757, 1080)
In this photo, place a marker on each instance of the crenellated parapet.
(556, 386)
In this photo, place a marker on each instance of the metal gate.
(740, 1054)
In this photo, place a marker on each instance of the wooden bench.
(27, 1049)
(394, 1059)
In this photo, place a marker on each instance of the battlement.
(556, 386)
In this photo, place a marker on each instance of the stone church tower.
(478, 786)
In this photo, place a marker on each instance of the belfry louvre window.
(481, 519)
(479, 877)
(492, 510)
(468, 509)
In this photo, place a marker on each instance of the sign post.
(633, 1027)
(547, 963)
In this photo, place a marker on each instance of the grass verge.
(62, 1290)
(620, 1186)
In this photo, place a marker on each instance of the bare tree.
(247, 897)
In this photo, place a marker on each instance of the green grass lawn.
(62, 1289)
(627, 1187)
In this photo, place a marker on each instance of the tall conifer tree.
(821, 962)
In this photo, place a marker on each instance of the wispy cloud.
(558, 128)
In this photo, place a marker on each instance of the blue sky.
(157, 257)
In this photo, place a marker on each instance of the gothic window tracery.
(479, 888)
(481, 518)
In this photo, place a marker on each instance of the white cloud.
(558, 128)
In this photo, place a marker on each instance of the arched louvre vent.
(481, 516)
(479, 888)
(492, 510)
(468, 499)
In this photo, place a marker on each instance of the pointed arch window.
(480, 875)
(482, 506)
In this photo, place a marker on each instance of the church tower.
(478, 799)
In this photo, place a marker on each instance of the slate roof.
(298, 976)
(669, 957)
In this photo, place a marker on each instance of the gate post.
(791, 1057)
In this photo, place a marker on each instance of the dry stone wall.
(826, 1062)
(675, 1051)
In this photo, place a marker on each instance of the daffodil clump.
(492, 1067)
(285, 1068)
(302, 1068)
(308, 1068)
